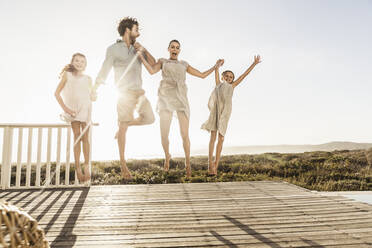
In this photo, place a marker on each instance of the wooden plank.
(242, 214)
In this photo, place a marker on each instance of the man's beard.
(132, 40)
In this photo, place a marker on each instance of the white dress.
(76, 96)
(172, 93)
(220, 106)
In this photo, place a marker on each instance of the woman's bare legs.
(218, 152)
(165, 122)
(212, 142)
(75, 125)
(86, 151)
(184, 128)
(123, 127)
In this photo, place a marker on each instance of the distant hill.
(331, 146)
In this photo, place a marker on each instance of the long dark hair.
(70, 67)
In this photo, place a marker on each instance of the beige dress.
(220, 106)
(172, 92)
(76, 96)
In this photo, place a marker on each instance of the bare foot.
(166, 162)
(80, 175)
(210, 168)
(125, 173)
(188, 170)
(86, 172)
(214, 168)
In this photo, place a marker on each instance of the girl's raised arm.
(257, 59)
(217, 73)
(191, 70)
(57, 94)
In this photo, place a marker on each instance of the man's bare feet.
(125, 173)
(166, 162)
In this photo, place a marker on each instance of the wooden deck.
(239, 214)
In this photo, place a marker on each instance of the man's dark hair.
(126, 22)
(174, 41)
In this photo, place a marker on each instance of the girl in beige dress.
(173, 97)
(76, 102)
(220, 105)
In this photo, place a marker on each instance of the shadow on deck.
(239, 214)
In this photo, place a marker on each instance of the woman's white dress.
(172, 92)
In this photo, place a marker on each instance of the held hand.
(221, 62)
(70, 112)
(137, 44)
(93, 95)
(257, 59)
(95, 87)
(139, 48)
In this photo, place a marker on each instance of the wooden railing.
(7, 165)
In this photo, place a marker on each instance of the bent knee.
(147, 120)
(150, 119)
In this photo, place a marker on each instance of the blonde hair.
(70, 67)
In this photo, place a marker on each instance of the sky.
(313, 85)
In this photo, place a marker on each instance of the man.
(127, 71)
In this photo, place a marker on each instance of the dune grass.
(323, 171)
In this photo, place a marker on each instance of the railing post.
(19, 158)
(7, 158)
(38, 163)
(49, 149)
(29, 157)
(4, 157)
(58, 162)
(90, 151)
(67, 168)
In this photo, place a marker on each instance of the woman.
(173, 97)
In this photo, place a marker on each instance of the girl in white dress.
(220, 105)
(173, 97)
(76, 103)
